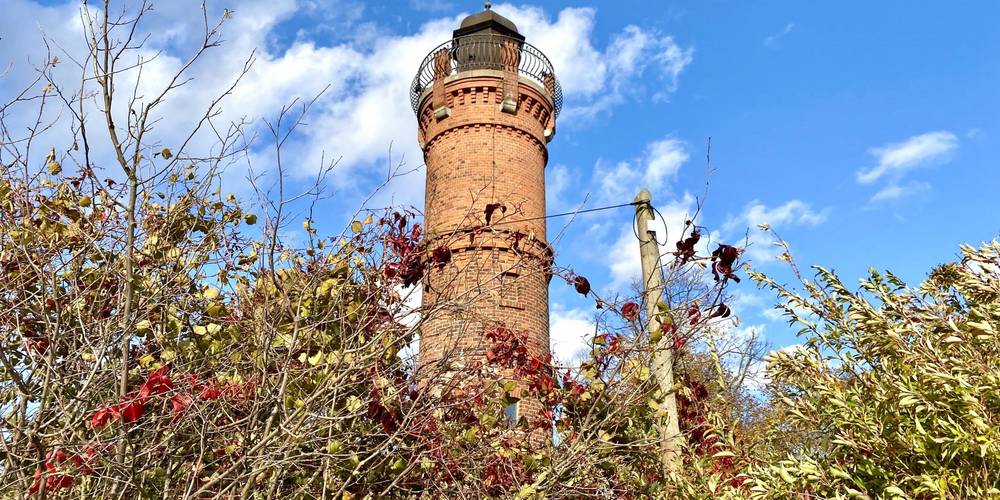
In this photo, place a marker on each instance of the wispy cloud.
(633, 53)
(895, 161)
(760, 247)
(895, 191)
(654, 170)
(918, 151)
(772, 40)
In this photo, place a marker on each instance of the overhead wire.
(575, 212)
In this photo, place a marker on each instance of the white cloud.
(773, 314)
(570, 330)
(918, 151)
(772, 40)
(790, 213)
(580, 67)
(663, 160)
(897, 191)
(624, 62)
(760, 247)
(747, 332)
(659, 164)
(409, 315)
(366, 107)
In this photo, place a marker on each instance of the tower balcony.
(478, 53)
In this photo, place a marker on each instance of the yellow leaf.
(357, 227)
(835, 472)
(250, 219)
(315, 359)
(166, 154)
(334, 446)
(655, 336)
(785, 476)
(54, 167)
(84, 201)
(146, 360)
(215, 310)
(353, 404)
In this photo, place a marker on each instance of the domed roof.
(488, 16)
(488, 21)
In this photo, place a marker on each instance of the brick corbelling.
(485, 87)
(477, 99)
(458, 124)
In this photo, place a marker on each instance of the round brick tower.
(486, 103)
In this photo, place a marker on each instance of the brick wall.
(476, 155)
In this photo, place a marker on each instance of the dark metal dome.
(488, 21)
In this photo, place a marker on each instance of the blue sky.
(864, 132)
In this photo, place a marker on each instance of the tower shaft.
(484, 124)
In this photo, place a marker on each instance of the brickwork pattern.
(478, 155)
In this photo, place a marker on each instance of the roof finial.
(488, 5)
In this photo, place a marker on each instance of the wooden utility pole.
(662, 363)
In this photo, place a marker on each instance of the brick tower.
(486, 103)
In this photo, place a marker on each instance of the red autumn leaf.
(37, 345)
(694, 314)
(211, 392)
(85, 462)
(102, 417)
(156, 383)
(614, 347)
(58, 481)
(441, 256)
(493, 207)
(630, 310)
(52, 483)
(391, 270)
(180, 402)
(679, 342)
(723, 259)
(133, 410)
(685, 247)
(721, 311)
(582, 285)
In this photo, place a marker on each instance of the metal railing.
(486, 51)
